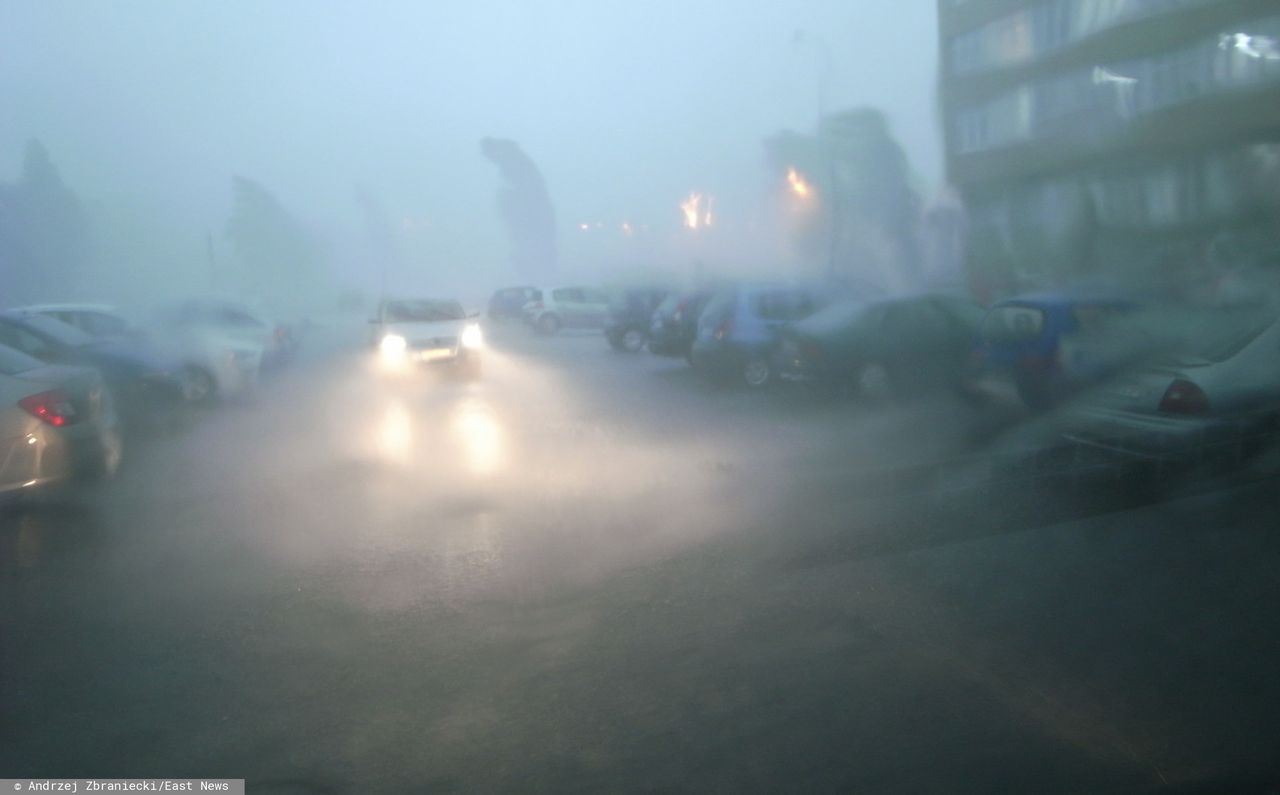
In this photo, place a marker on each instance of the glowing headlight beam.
(392, 346)
(472, 337)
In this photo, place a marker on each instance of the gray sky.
(625, 106)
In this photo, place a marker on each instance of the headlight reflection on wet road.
(395, 433)
(477, 432)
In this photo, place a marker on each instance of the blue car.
(738, 330)
(1025, 341)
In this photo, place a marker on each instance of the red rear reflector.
(1184, 397)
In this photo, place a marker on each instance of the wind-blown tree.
(862, 223)
(526, 209)
(277, 259)
(45, 239)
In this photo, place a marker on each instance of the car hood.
(425, 329)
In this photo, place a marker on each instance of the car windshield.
(13, 362)
(796, 396)
(423, 311)
(61, 332)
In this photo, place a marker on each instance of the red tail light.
(724, 329)
(54, 407)
(1184, 397)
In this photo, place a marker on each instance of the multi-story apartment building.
(1130, 139)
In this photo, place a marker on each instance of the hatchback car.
(899, 347)
(738, 329)
(508, 303)
(630, 314)
(568, 307)
(1025, 345)
(427, 332)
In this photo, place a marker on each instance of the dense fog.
(353, 134)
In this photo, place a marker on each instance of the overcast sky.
(624, 105)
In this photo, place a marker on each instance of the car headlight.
(392, 346)
(472, 337)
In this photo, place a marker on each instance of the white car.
(237, 320)
(215, 364)
(428, 332)
(55, 423)
(568, 307)
(1209, 394)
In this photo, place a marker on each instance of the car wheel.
(548, 324)
(874, 384)
(756, 372)
(198, 385)
(633, 340)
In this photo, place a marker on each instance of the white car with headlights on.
(429, 333)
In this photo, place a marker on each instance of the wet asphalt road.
(590, 571)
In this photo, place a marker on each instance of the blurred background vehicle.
(235, 320)
(738, 329)
(892, 348)
(1022, 348)
(674, 323)
(630, 315)
(568, 307)
(214, 364)
(508, 303)
(426, 331)
(146, 386)
(1210, 396)
(56, 422)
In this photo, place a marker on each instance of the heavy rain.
(567, 396)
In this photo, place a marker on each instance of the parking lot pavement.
(594, 571)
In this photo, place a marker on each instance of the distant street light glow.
(697, 211)
(798, 184)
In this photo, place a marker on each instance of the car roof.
(68, 307)
(1066, 298)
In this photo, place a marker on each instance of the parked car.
(568, 307)
(145, 386)
(896, 347)
(430, 332)
(674, 323)
(56, 422)
(1211, 396)
(1022, 346)
(214, 364)
(235, 320)
(738, 329)
(508, 303)
(96, 320)
(630, 314)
